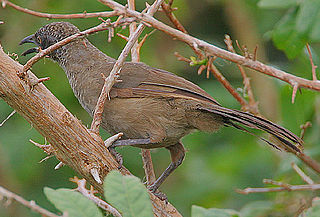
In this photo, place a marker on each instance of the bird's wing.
(140, 80)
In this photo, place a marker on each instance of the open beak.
(29, 39)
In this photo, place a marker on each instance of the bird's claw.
(154, 189)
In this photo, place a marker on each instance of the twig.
(135, 57)
(168, 11)
(115, 72)
(212, 50)
(303, 128)
(7, 118)
(59, 16)
(252, 106)
(305, 178)
(227, 85)
(43, 53)
(30, 204)
(90, 195)
(313, 66)
(278, 189)
(148, 166)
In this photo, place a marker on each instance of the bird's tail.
(287, 140)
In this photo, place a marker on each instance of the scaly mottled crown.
(54, 32)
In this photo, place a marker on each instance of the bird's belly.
(153, 118)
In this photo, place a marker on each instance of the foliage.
(127, 194)
(301, 24)
(215, 164)
(72, 203)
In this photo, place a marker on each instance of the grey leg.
(125, 142)
(177, 152)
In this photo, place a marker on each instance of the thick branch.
(215, 51)
(71, 141)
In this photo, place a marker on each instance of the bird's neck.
(83, 64)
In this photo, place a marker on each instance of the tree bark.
(71, 142)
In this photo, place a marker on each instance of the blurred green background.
(215, 164)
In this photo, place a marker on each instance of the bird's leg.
(125, 142)
(177, 152)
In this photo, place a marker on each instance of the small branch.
(30, 204)
(212, 50)
(100, 27)
(148, 166)
(303, 128)
(278, 189)
(168, 11)
(227, 85)
(7, 118)
(59, 16)
(90, 195)
(252, 106)
(135, 57)
(115, 72)
(313, 66)
(305, 178)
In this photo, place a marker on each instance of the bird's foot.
(154, 189)
(117, 156)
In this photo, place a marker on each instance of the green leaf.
(314, 211)
(274, 4)
(128, 195)
(198, 211)
(257, 208)
(307, 15)
(74, 203)
(285, 36)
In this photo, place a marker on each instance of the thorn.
(46, 158)
(95, 175)
(46, 148)
(201, 68)
(123, 37)
(4, 3)
(59, 165)
(7, 118)
(294, 92)
(40, 80)
(112, 139)
(118, 20)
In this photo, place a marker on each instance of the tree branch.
(214, 50)
(59, 16)
(72, 143)
(30, 204)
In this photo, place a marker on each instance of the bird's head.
(49, 35)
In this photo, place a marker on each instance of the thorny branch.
(284, 186)
(30, 204)
(59, 16)
(212, 50)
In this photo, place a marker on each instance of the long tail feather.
(288, 140)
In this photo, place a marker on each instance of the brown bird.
(152, 107)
